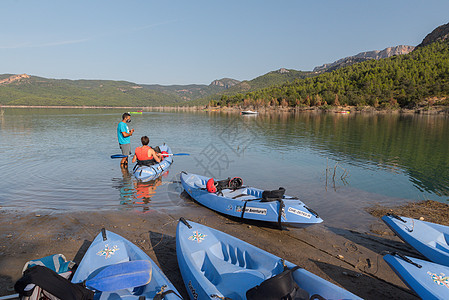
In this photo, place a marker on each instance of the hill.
(405, 81)
(284, 76)
(32, 90)
(271, 78)
(201, 94)
(193, 91)
(441, 33)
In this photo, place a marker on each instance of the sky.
(198, 41)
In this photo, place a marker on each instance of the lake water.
(59, 159)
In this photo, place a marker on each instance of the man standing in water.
(124, 138)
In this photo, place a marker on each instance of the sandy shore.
(348, 258)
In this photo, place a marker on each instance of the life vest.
(142, 153)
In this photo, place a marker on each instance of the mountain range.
(364, 56)
(32, 90)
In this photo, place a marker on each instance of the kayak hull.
(116, 249)
(294, 214)
(213, 262)
(147, 173)
(429, 239)
(429, 281)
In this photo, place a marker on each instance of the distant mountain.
(193, 91)
(12, 78)
(364, 56)
(441, 33)
(225, 82)
(277, 77)
(32, 90)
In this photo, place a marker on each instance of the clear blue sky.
(197, 41)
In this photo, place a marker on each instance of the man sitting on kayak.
(145, 155)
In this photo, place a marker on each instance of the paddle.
(167, 154)
(119, 156)
(13, 296)
(125, 275)
(128, 274)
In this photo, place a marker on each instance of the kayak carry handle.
(185, 222)
(103, 234)
(312, 211)
(396, 217)
(407, 259)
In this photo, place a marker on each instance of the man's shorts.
(126, 149)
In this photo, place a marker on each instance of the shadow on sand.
(348, 278)
(377, 244)
(164, 247)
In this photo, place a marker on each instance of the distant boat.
(343, 112)
(249, 112)
(139, 112)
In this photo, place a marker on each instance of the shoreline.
(349, 258)
(263, 110)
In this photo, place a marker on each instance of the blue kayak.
(429, 280)
(147, 173)
(247, 203)
(110, 249)
(429, 239)
(215, 263)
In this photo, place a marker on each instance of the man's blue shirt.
(123, 127)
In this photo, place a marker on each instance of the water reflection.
(409, 144)
(126, 188)
(59, 159)
(136, 194)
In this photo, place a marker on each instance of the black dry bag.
(273, 195)
(53, 283)
(279, 287)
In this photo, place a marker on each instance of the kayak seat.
(432, 237)
(230, 279)
(440, 243)
(240, 194)
(200, 185)
(443, 247)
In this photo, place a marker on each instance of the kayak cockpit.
(440, 242)
(242, 194)
(231, 270)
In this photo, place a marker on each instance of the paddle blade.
(118, 156)
(125, 275)
(178, 154)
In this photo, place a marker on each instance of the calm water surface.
(59, 159)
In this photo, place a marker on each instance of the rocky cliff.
(225, 82)
(363, 56)
(441, 33)
(14, 78)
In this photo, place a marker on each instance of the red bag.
(210, 186)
